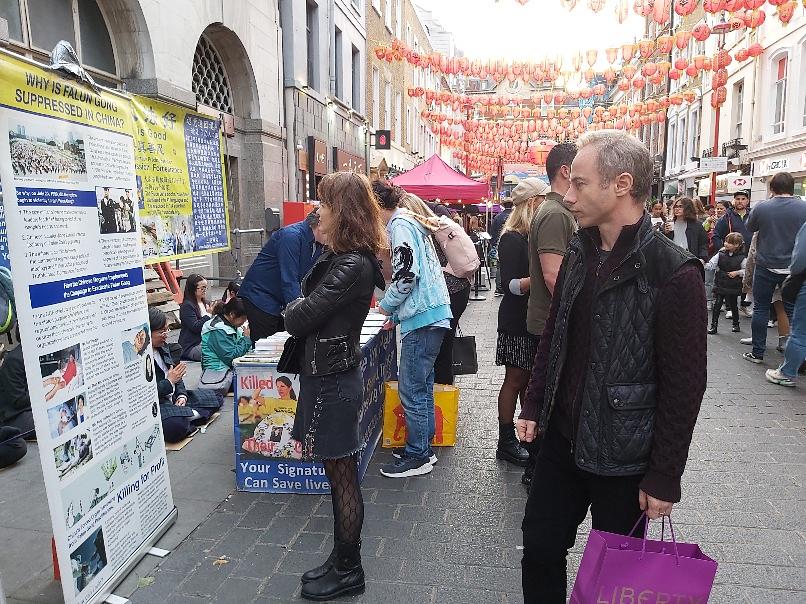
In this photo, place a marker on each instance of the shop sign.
(318, 150)
(347, 162)
(714, 164)
(794, 162)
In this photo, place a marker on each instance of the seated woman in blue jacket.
(193, 314)
(180, 408)
(224, 339)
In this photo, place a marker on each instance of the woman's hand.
(245, 328)
(181, 401)
(669, 226)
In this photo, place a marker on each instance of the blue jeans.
(418, 352)
(795, 352)
(764, 284)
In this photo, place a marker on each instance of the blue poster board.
(265, 403)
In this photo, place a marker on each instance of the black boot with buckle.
(344, 577)
(509, 447)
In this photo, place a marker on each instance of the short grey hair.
(620, 152)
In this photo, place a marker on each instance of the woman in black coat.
(327, 320)
(193, 314)
(686, 231)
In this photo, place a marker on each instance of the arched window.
(36, 26)
(210, 82)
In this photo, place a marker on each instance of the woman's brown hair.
(689, 209)
(358, 218)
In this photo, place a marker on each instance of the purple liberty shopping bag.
(618, 570)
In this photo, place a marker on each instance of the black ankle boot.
(345, 577)
(712, 329)
(320, 571)
(736, 328)
(509, 448)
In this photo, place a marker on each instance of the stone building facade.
(389, 106)
(324, 66)
(218, 57)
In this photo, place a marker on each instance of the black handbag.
(791, 287)
(465, 361)
(289, 361)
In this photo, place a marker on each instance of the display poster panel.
(67, 164)
(181, 191)
(266, 403)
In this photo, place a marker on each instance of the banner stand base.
(158, 552)
(105, 594)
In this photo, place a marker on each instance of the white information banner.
(67, 168)
(714, 164)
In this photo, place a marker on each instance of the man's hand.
(654, 508)
(527, 430)
(176, 373)
(382, 310)
(389, 325)
(181, 401)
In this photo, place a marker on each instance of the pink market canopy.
(434, 179)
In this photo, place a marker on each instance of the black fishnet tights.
(345, 492)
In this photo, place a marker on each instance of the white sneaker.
(729, 314)
(747, 341)
(770, 324)
(776, 377)
(746, 311)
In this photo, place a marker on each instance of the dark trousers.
(443, 366)
(12, 446)
(558, 502)
(731, 303)
(261, 324)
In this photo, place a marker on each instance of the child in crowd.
(224, 339)
(729, 264)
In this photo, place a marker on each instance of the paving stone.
(238, 590)
(261, 561)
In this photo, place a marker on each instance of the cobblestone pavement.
(454, 535)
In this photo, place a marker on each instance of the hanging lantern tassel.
(786, 11)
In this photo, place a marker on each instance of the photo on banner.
(180, 182)
(73, 244)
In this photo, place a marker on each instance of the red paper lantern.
(736, 23)
(599, 90)
(629, 71)
(611, 54)
(665, 44)
(718, 97)
(643, 7)
(754, 18)
(680, 63)
(660, 116)
(609, 75)
(753, 4)
(674, 74)
(685, 7)
(660, 11)
(755, 50)
(676, 99)
(627, 52)
(692, 71)
(720, 78)
(624, 85)
(689, 96)
(786, 11)
(742, 55)
(681, 39)
(699, 61)
(380, 52)
(649, 69)
(734, 5)
(722, 59)
(713, 6)
(701, 31)
(645, 48)
(656, 79)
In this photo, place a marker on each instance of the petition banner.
(67, 164)
(179, 159)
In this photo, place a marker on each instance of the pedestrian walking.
(795, 351)
(417, 299)
(458, 291)
(328, 319)
(777, 221)
(620, 371)
(549, 234)
(729, 265)
(686, 230)
(516, 347)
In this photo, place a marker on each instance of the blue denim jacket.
(417, 296)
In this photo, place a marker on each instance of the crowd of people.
(33, 158)
(604, 304)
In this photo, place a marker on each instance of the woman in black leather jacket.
(337, 294)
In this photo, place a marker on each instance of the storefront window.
(96, 46)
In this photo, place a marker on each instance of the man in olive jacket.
(620, 372)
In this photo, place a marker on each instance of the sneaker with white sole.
(746, 311)
(729, 314)
(776, 377)
(746, 341)
(782, 340)
(398, 454)
(749, 356)
(407, 466)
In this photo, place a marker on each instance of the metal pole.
(715, 150)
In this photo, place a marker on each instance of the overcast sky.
(507, 30)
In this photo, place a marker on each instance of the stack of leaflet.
(267, 350)
(372, 325)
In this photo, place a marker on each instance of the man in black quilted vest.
(620, 372)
